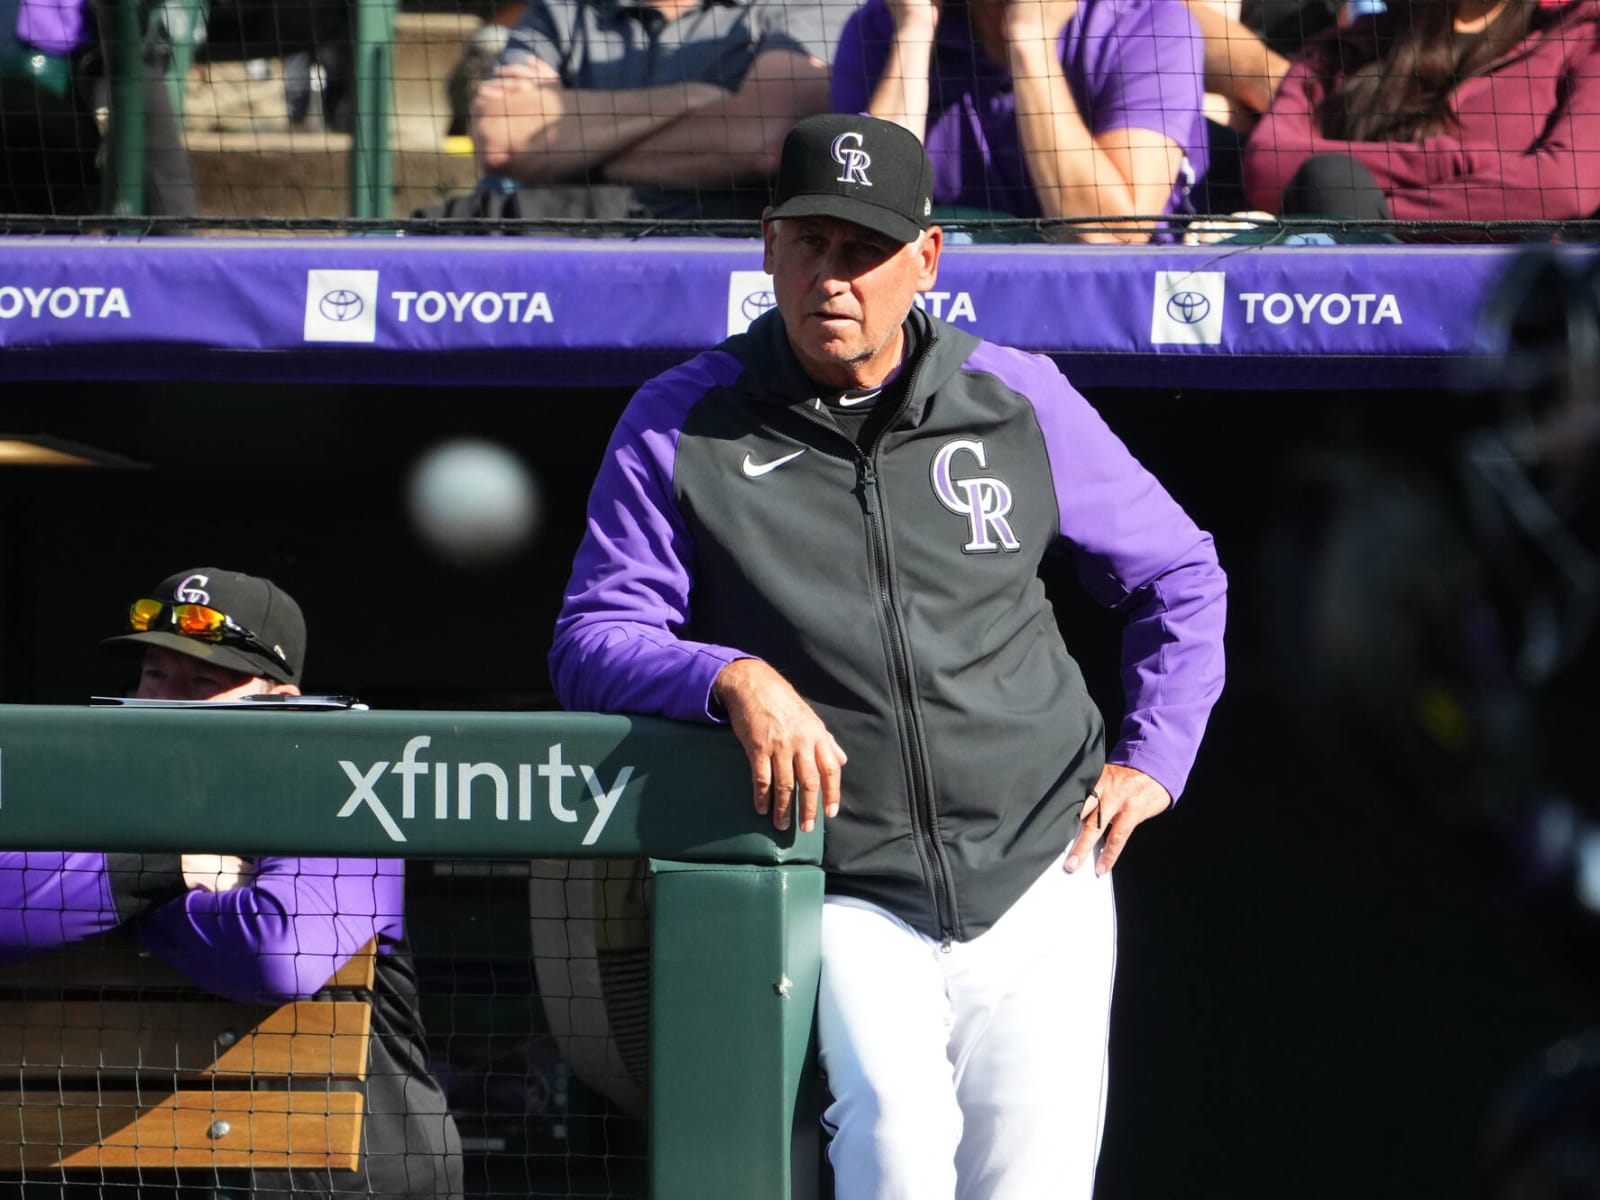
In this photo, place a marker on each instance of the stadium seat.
(180, 25)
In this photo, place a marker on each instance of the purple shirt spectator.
(1129, 64)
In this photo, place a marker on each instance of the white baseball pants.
(976, 1072)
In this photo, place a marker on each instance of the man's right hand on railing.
(793, 757)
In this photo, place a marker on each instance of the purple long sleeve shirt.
(277, 938)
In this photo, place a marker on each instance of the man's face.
(843, 291)
(168, 675)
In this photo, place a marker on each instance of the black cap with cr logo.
(861, 169)
(264, 633)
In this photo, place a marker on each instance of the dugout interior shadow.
(1297, 968)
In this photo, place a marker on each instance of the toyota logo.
(1189, 307)
(340, 305)
(756, 303)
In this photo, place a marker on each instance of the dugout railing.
(735, 907)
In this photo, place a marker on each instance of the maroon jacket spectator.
(1471, 111)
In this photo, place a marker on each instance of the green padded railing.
(736, 908)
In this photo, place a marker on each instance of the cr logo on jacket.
(982, 499)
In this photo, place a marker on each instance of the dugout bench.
(112, 1060)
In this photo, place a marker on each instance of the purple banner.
(525, 310)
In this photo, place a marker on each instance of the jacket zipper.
(924, 817)
(924, 820)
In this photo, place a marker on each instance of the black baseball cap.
(269, 634)
(861, 169)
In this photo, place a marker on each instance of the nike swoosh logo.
(852, 401)
(755, 470)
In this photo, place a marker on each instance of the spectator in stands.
(1246, 47)
(1242, 70)
(266, 930)
(54, 76)
(1076, 109)
(1445, 110)
(680, 107)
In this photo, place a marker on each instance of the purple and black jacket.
(897, 588)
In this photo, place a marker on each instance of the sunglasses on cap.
(201, 622)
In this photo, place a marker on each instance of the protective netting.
(1098, 120)
(536, 1000)
(182, 1053)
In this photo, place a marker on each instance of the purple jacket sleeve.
(617, 645)
(49, 899)
(1136, 551)
(281, 936)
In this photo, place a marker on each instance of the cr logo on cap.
(192, 590)
(847, 152)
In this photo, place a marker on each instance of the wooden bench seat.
(110, 1060)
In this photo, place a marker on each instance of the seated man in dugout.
(261, 930)
(1085, 112)
(675, 109)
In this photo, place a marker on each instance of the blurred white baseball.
(473, 500)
